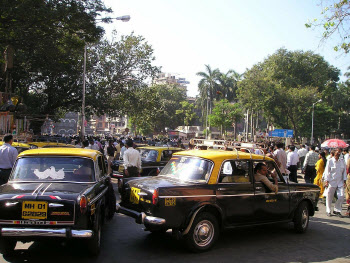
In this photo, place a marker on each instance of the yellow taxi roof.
(17, 144)
(41, 144)
(159, 148)
(223, 155)
(62, 151)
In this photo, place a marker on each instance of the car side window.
(101, 166)
(166, 155)
(235, 171)
(272, 169)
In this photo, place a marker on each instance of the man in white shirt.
(335, 174)
(281, 156)
(8, 156)
(292, 164)
(302, 153)
(132, 160)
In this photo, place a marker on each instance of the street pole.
(122, 18)
(312, 121)
(83, 103)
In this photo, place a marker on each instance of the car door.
(101, 175)
(235, 192)
(268, 205)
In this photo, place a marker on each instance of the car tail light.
(83, 204)
(155, 196)
(158, 171)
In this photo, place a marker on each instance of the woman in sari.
(320, 166)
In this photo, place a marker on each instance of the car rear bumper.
(44, 232)
(140, 218)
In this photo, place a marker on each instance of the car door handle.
(258, 188)
(221, 189)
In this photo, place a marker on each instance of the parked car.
(200, 192)
(153, 159)
(56, 193)
(20, 146)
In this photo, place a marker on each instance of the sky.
(186, 35)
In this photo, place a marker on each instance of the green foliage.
(187, 113)
(334, 21)
(285, 85)
(225, 114)
(154, 108)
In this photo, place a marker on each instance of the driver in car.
(260, 175)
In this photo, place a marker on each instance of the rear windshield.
(188, 168)
(148, 155)
(53, 169)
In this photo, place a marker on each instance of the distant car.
(153, 159)
(19, 146)
(56, 193)
(200, 192)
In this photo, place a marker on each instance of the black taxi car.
(153, 159)
(56, 193)
(200, 192)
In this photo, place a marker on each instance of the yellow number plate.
(170, 201)
(134, 197)
(121, 168)
(34, 210)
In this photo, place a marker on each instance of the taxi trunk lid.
(39, 203)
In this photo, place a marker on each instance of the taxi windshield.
(53, 169)
(148, 155)
(188, 169)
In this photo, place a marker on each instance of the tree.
(155, 107)
(285, 85)
(335, 20)
(228, 84)
(225, 114)
(187, 113)
(117, 69)
(46, 49)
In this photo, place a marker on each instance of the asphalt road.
(327, 240)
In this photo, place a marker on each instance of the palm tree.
(207, 86)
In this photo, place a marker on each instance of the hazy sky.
(226, 34)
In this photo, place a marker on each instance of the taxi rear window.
(188, 168)
(53, 169)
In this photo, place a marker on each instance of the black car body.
(56, 193)
(200, 192)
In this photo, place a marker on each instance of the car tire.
(301, 218)
(203, 233)
(7, 246)
(94, 244)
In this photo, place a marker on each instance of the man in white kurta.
(335, 174)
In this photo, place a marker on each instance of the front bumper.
(140, 218)
(44, 232)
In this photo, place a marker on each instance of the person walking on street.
(302, 153)
(132, 160)
(8, 156)
(281, 156)
(311, 159)
(320, 166)
(292, 164)
(335, 174)
(347, 188)
(110, 155)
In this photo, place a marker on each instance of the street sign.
(282, 133)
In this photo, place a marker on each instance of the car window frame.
(235, 160)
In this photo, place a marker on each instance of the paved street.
(327, 240)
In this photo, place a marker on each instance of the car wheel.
(7, 246)
(94, 244)
(203, 233)
(301, 218)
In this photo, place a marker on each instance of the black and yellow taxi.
(153, 159)
(200, 192)
(56, 193)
